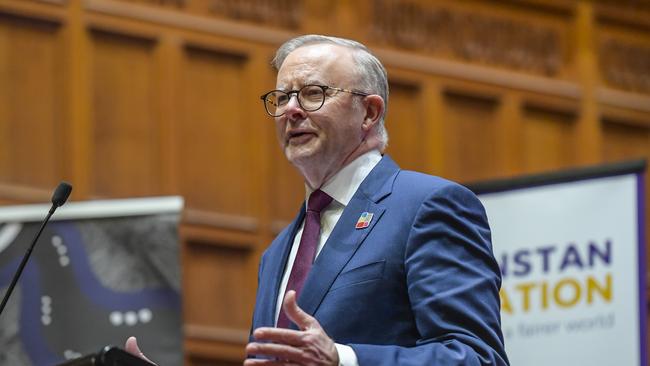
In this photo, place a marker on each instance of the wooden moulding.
(618, 116)
(34, 10)
(20, 193)
(121, 28)
(218, 334)
(485, 97)
(214, 344)
(56, 2)
(555, 7)
(191, 22)
(482, 74)
(210, 235)
(241, 55)
(622, 99)
(562, 107)
(220, 220)
(634, 14)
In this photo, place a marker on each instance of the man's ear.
(374, 107)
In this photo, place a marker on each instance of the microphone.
(61, 194)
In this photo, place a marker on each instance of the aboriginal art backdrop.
(90, 283)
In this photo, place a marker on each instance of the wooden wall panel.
(548, 140)
(625, 142)
(204, 361)
(218, 293)
(214, 143)
(471, 147)
(212, 289)
(126, 143)
(405, 123)
(209, 352)
(32, 129)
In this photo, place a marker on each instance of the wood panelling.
(205, 352)
(218, 291)
(628, 141)
(471, 136)
(625, 141)
(547, 139)
(126, 140)
(204, 361)
(405, 125)
(149, 97)
(32, 132)
(187, 20)
(476, 32)
(212, 294)
(213, 132)
(623, 55)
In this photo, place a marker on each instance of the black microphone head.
(61, 194)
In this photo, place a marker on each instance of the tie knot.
(318, 200)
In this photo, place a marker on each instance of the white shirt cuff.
(347, 357)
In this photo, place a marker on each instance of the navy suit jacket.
(418, 286)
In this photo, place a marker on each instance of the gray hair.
(370, 72)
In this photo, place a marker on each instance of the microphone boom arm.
(58, 199)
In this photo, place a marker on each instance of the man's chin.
(299, 155)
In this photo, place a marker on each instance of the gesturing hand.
(131, 346)
(309, 346)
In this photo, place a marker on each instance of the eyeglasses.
(310, 98)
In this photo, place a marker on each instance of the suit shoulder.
(424, 184)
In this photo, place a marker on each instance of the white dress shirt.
(341, 187)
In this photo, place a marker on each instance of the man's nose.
(294, 111)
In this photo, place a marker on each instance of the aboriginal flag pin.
(364, 220)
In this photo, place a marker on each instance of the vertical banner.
(571, 249)
(100, 272)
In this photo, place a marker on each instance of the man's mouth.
(299, 137)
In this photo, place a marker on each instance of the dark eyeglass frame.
(324, 88)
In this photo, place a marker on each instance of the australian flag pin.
(364, 220)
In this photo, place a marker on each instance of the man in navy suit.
(400, 269)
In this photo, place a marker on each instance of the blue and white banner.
(572, 256)
(101, 271)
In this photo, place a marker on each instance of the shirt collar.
(342, 186)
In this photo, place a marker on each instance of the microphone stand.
(58, 199)
(25, 259)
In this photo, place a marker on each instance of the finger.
(278, 351)
(279, 335)
(131, 346)
(260, 362)
(295, 313)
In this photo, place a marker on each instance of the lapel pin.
(364, 220)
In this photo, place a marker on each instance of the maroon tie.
(318, 200)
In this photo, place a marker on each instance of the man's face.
(325, 138)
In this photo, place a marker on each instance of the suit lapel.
(345, 238)
(277, 263)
